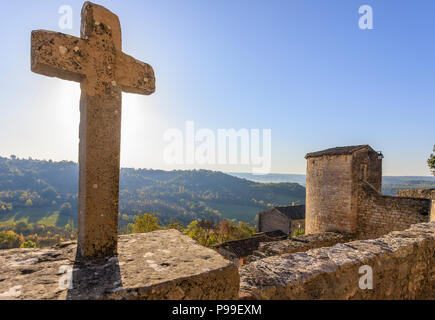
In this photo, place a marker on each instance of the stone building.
(344, 195)
(285, 219)
(332, 186)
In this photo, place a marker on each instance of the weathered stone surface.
(344, 194)
(403, 265)
(300, 243)
(379, 214)
(96, 61)
(332, 187)
(286, 219)
(157, 265)
(417, 193)
(422, 194)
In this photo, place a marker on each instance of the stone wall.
(272, 220)
(423, 194)
(379, 215)
(367, 166)
(300, 243)
(159, 265)
(417, 193)
(403, 265)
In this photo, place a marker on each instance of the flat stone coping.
(158, 265)
(329, 272)
(299, 243)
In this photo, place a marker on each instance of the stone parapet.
(300, 243)
(379, 214)
(158, 265)
(417, 193)
(403, 265)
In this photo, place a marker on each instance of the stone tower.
(333, 177)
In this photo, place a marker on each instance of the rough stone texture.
(285, 219)
(272, 219)
(422, 194)
(96, 61)
(300, 243)
(344, 194)
(379, 215)
(157, 265)
(332, 188)
(417, 193)
(403, 265)
(328, 200)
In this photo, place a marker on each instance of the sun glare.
(142, 132)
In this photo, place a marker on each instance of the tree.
(66, 209)
(10, 240)
(144, 223)
(4, 206)
(224, 230)
(22, 228)
(29, 244)
(298, 232)
(49, 193)
(244, 230)
(431, 162)
(202, 232)
(176, 225)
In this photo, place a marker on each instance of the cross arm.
(58, 55)
(135, 76)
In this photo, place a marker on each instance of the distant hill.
(271, 178)
(45, 192)
(390, 184)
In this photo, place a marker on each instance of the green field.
(235, 211)
(45, 216)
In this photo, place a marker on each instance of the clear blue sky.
(302, 68)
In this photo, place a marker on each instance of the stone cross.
(96, 61)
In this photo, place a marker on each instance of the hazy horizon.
(226, 172)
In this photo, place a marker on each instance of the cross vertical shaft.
(100, 136)
(96, 61)
(99, 158)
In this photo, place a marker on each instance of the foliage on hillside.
(205, 232)
(23, 235)
(45, 192)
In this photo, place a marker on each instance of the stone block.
(161, 265)
(402, 262)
